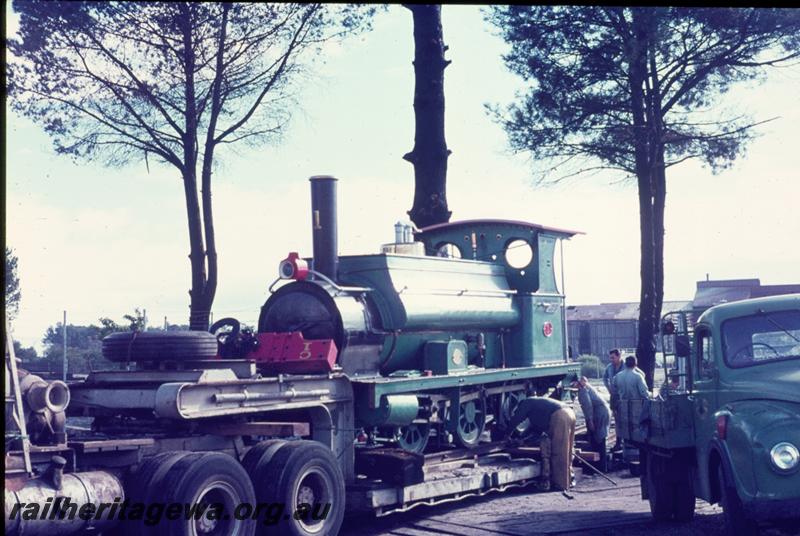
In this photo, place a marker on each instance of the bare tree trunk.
(200, 306)
(430, 152)
(643, 137)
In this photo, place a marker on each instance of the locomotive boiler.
(441, 333)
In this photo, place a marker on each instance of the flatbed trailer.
(221, 421)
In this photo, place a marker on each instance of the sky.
(99, 242)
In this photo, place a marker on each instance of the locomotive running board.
(472, 478)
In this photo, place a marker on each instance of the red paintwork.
(547, 329)
(291, 353)
(299, 266)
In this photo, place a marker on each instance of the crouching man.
(557, 421)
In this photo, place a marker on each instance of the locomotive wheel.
(471, 422)
(414, 437)
(205, 479)
(303, 473)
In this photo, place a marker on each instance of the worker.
(556, 420)
(614, 367)
(629, 384)
(597, 415)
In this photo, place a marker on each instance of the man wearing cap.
(557, 421)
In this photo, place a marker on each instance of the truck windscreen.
(761, 338)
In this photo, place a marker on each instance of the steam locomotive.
(440, 334)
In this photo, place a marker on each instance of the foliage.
(84, 343)
(169, 81)
(634, 90)
(25, 353)
(591, 366)
(13, 293)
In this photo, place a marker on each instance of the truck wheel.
(684, 501)
(215, 485)
(736, 524)
(140, 485)
(158, 346)
(659, 488)
(303, 473)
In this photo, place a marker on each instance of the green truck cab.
(725, 426)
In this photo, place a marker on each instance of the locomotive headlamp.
(293, 267)
(784, 456)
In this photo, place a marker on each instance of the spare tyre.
(159, 346)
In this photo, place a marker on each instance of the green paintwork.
(430, 305)
(761, 404)
(445, 357)
(375, 388)
(394, 410)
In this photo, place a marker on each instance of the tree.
(430, 152)
(13, 292)
(171, 81)
(632, 90)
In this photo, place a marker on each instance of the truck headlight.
(784, 456)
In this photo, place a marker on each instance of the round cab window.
(519, 254)
(449, 251)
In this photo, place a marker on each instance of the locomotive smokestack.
(323, 225)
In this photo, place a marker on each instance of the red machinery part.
(291, 353)
(293, 267)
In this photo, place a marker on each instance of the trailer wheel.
(158, 346)
(215, 484)
(736, 523)
(260, 455)
(141, 483)
(659, 488)
(303, 473)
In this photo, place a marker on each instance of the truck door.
(705, 380)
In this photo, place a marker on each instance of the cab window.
(705, 356)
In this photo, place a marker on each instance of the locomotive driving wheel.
(414, 437)
(471, 422)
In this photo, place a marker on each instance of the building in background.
(595, 329)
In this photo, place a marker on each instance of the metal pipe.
(323, 225)
(245, 396)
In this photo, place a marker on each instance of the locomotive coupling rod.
(598, 471)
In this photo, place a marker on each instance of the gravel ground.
(596, 507)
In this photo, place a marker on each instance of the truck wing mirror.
(682, 346)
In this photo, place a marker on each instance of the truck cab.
(725, 426)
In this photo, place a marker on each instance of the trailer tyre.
(215, 483)
(304, 473)
(157, 346)
(141, 484)
(260, 455)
